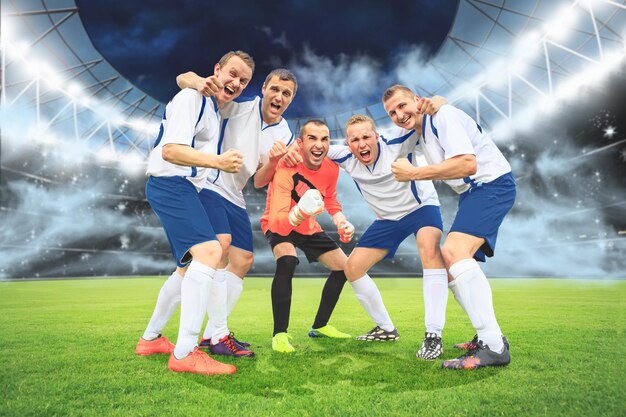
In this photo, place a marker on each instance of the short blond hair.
(245, 57)
(360, 118)
(394, 89)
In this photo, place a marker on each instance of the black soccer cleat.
(474, 342)
(380, 335)
(479, 357)
(432, 347)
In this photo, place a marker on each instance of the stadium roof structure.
(498, 57)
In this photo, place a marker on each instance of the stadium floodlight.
(558, 27)
(54, 80)
(33, 67)
(74, 89)
(85, 101)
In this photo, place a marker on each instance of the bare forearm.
(265, 174)
(187, 156)
(458, 167)
(188, 80)
(338, 218)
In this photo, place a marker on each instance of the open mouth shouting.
(365, 155)
(275, 107)
(229, 91)
(317, 155)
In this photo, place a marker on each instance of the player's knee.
(225, 241)
(208, 253)
(352, 270)
(429, 252)
(451, 254)
(244, 262)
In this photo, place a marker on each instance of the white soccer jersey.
(388, 198)
(189, 119)
(243, 128)
(451, 132)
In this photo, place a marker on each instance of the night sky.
(150, 42)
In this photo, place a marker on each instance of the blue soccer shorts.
(482, 209)
(228, 218)
(388, 234)
(176, 203)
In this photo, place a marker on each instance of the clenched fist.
(402, 170)
(209, 86)
(277, 151)
(230, 161)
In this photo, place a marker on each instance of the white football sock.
(473, 292)
(216, 307)
(194, 295)
(435, 299)
(234, 286)
(167, 302)
(368, 295)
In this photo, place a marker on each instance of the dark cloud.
(151, 42)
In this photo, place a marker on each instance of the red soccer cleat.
(199, 362)
(151, 347)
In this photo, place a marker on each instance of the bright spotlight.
(74, 88)
(85, 101)
(557, 28)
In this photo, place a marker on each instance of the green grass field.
(68, 349)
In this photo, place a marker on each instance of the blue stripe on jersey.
(480, 129)
(275, 124)
(291, 140)
(397, 140)
(357, 187)
(219, 145)
(214, 102)
(432, 126)
(158, 139)
(377, 158)
(202, 112)
(343, 158)
(194, 170)
(161, 130)
(413, 186)
(424, 128)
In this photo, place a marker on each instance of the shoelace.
(376, 330)
(431, 343)
(473, 343)
(473, 350)
(232, 336)
(230, 344)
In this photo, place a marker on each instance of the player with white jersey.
(177, 168)
(401, 209)
(256, 128)
(461, 154)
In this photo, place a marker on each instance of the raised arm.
(459, 166)
(279, 151)
(208, 87)
(229, 161)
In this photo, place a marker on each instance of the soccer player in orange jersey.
(295, 196)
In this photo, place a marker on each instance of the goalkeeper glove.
(311, 204)
(346, 231)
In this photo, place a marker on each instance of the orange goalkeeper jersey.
(285, 190)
